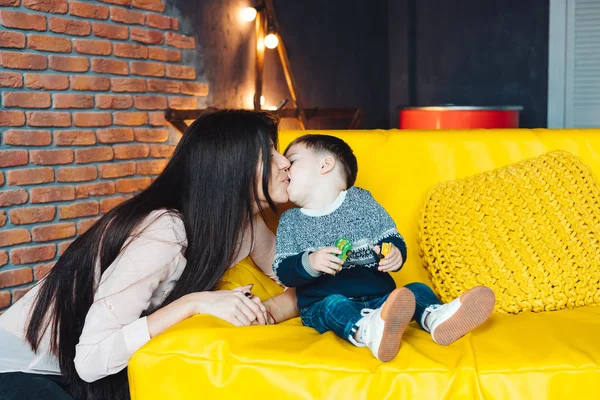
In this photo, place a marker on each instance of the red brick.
(11, 80)
(127, 151)
(181, 72)
(13, 197)
(130, 118)
(29, 176)
(108, 204)
(87, 10)
(47, 81)
(131, 85)
(13, 60)
(147, 68)
(132, 185)
(95, 189)
(46, 233)
(129, 50)
(50, 194)
(162, 22)
(109, 101)
(17, 294)
(84, 156)
(9, 3)
(158, 119)
(108, 66)
(76, 210)
(195, 88)
(157, 53)
(117, 2)
(151, 135)
(68, 26)
(153, 167)
(115, 135)
(15, 40)
(28, 255)
(26, 99)
(180, 41)
(161, 150)
(23, 20)
(48, 43)
(13, 158)
(163, 86)
(63, 246)
(51, 6)
(15, 277)
(3, 257)
(74, 138)
(117, 170)
(51, 157)
(12, 118)
(183, 103)
(84, 82)
(1, 178)
(69, 64)
(85, 224)
(48, 118)
(2, 223)
(125, 16)
(77, 174)
(95, 47)
(147, 36)
(10, 237)
(151, 5)
(110, 31)
(31, 215)
(41, 270)
(5, 295)
(27, 138)
(88, 119)
(64, 100)
(150, 102)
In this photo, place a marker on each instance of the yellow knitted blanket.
(530, 231)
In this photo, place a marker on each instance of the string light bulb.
(248, 14)
(271, 41)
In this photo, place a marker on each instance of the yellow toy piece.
(386, 249)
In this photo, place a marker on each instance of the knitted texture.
(529, 231)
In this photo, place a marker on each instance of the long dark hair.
(211, 183)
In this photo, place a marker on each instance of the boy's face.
(303, 173)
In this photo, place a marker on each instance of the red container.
(459, 117)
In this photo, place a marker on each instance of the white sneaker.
(381, 330)
(449, 322)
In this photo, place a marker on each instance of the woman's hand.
(238, 306)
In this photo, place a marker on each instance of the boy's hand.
(392, 262)
(323, 261)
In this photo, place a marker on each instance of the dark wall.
(471, 52)
(350, 53)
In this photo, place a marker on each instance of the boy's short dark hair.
(335, 146)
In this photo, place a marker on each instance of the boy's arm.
(291, 264)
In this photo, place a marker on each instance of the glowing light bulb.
(262, 100)
(271, 41)
(248, 14)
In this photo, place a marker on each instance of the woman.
(150, 263)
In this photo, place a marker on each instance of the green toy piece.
(345, 246)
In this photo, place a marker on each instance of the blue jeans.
(340, 314)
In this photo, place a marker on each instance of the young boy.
(356, 298)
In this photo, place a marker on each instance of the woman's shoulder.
(164, 224)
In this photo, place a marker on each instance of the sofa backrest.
(400, 167)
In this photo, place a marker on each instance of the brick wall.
(83, 85)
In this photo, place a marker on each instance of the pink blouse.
(138, 280)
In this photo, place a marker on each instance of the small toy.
(386, 248)
(345, 246)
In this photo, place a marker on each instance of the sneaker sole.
(397, 312)
(476, 307)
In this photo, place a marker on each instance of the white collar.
(327, 210)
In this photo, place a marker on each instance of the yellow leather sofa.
(554, 355)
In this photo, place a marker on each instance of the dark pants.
(22, 386)
(340, 314)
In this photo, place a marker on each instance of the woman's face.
(278, 180)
